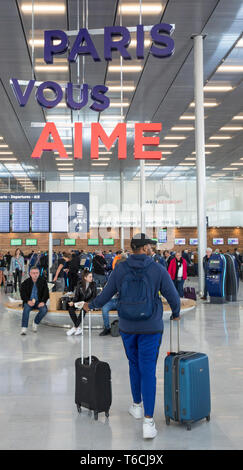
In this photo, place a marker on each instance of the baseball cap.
(141, 239)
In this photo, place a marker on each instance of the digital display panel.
(15, 242)
(108, 241)
(180, 241)
(93, 241)
(59, 216)
(4, 217)
(20, 217)
(218, 241)
(233, 241)
(31, 241)
(162, 235)
(56, 242)
(40, 217)
(69, 241)
(193, 241)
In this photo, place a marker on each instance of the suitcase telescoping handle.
(178, 334)
(82, 337)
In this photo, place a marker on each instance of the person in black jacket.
(34, 293)
(85, 291)
(99, 269)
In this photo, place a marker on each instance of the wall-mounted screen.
(56, 242)
(16, 242)
(162, 235)
(40, 217)
(193, 241)
(93, 241)
(180, 241)
(233, 241)
(69, 241)
(59, 216)
(20, 217)
(218, 241)
(4, 217)
(108, 241)
(31, 241)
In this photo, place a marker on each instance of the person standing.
(206, 259)
(62, 266)
(178, 272)
(17, 268)
(34, 293)
(99, 265)
(138, 281)
(2, 269)
(85, 291)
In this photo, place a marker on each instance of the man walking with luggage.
(138, 280)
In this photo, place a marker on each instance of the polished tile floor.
(37, 409)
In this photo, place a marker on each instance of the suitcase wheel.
(107, 414)
(188, 427)
(167, 420)
(79, 408)
(95, 415)
(208, 418)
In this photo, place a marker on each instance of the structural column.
(200, 156)
(50, 252)
(121, 207)
(142, 196)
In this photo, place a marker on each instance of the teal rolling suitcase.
(186, 385)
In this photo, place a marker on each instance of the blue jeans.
(179, 287)
(99, 279)
(142, 351)
(26, 313)
(111, 305)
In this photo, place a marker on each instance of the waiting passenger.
(141, 338)
(178, 272)
(99, 265)
(34, 293)
(2, 269)
(206, 259)
(85, 291)
(60, 271)
(17, 268)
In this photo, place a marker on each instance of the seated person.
(85, 291)
(34, 293)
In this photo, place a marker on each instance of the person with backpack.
(138, 281)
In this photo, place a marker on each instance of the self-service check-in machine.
(232, 278)
(216, 278)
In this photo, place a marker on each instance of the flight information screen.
(20, 217)
(4, 217)
(40, 217)
(59, 216)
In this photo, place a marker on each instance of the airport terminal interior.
(119, 117)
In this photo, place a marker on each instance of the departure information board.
(40, 217)
(4, 217)
(20, 217)
(59, 216)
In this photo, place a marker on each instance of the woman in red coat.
(178, 272)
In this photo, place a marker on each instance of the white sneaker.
(79, 331)
(34, 326)
(71, 331)
(149, 429)
(23, 331)
(136, 410)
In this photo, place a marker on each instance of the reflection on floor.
(37, 409)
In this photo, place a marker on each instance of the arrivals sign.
(56, 42)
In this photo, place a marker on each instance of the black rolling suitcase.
(9, 286)
(92, 382)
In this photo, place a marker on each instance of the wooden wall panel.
(81, 243)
